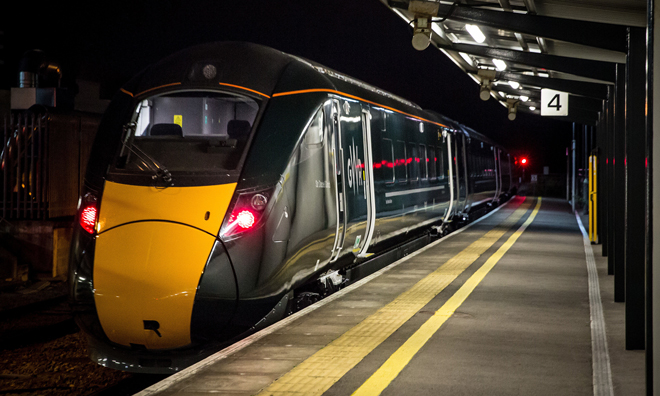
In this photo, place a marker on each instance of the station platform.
(516, 303)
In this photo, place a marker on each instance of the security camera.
(484, 92)
(422, 34)
(487, 77)
(512, 106)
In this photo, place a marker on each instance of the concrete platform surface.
(500, 308)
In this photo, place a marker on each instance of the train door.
(369, 186)
(356, 195)
(498, 173)
(450, 175)
(332, 113)
(461, 171)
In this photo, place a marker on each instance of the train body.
(228, 177)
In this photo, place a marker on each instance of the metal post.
(635, 202)
(585, 173)
(611, 192)
(652, 303)
(568, 177)
(603, 152)
(619, 206)
(573, 185)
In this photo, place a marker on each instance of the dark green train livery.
(231, 181)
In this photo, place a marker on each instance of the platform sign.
(554, 103)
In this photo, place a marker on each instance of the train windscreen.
(188, 132)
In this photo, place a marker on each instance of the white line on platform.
(225, 353)
(602, 372)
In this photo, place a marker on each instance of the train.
(231, 183)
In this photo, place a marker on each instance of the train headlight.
(259, 202)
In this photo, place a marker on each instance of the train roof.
(474, 134)
(259, 70)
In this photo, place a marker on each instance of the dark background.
(110, 42)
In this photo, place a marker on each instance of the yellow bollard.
(593, 199)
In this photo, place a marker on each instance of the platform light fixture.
(524, 98)
(514, 84)
(499, 64)
(476, 33)
(532, 108)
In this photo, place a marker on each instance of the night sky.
(109, 43)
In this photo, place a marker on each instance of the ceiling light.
(499, 64)
(524, 98)
(476, 33)
(514, 84)
(466, 58)
(532, 108)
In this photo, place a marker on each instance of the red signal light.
(523, 161)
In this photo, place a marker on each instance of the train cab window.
(188, 132)
(314, 134)
(412, 162)
(313, 138)
(400, 168)
(423, 162)
(386, 165)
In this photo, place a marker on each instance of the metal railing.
(24, 165)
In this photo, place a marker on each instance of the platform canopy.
(567, 46)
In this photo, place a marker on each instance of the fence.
(24, 167)
(42, 163)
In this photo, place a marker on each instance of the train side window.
(400, 170)
(441, 162)
(412, 162)
(432, 162)
(424, 162)
(387, 164)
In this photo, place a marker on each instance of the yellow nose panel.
(202, 207)
(149, 271)
(151, 249)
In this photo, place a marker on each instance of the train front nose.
(151, 252)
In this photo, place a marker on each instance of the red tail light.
(244, 219)
(250, 208)
(88, 213)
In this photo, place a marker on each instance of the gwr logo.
(355, 168)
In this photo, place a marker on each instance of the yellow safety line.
(400, 359)
(321, 370)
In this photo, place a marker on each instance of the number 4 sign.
(554, 103)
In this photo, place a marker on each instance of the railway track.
(42, 352)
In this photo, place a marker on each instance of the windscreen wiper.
(160, 172)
